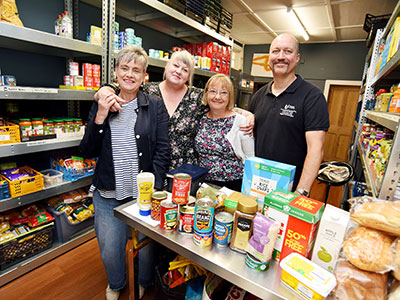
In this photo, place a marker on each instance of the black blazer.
(151, 131)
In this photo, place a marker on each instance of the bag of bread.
(9, 12)
(396, 271)
(370, 250)
(378, 214)
(355, 284)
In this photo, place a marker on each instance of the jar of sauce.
(37, 126)
(25, 127)
(48, 127)
(59, 124)
(77, 125)
(243, 224)
(69, 125)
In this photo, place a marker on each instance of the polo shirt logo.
(288, 111)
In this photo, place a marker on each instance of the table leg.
(131, 247)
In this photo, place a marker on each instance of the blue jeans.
(112, 236)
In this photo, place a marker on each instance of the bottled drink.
(66, 25)
(57, 25)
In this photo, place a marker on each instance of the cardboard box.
(87, 69)
(299, 217)
(96, 70)
(76, 80)
(73, 68)
(331, 232)
(96, 82)
(88, 81)
(262, 176)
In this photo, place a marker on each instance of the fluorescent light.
(296, 20)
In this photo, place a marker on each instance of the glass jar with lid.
(243, 224)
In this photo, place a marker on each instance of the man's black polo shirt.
(281, 122)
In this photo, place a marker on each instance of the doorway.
(342, 97)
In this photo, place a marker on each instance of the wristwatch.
(303, 192)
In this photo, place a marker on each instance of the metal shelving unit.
(389, 74)
(36, 41)
(34, 93)
(11, 203)
(38, 146)
(31, 40)
(158, 16)
(367, 171)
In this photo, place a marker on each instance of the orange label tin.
(181, 188)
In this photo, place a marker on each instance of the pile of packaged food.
(17, 222)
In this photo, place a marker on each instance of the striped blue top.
(124, 151)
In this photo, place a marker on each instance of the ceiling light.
(296, 20)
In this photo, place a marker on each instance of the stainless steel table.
(221, 261)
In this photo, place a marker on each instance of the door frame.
(328, 84)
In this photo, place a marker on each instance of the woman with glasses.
(221, 146)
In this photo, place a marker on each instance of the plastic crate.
(64, 229)
(20, 248)
(9, 134)
(178, 5)
(4, 193)
(51, 177)
(27, 185)
(375, 22)
(72, 174)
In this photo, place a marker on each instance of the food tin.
(168, 215)
(204, 215)
(181, 188)
(156, 198)
(255, 264)
(202, 239)
(223, 229)
(186, 219)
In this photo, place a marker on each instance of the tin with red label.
(223, 228)
(168, 215)
(186, 219)
(156, 199)
(204, 215)
(181, 188)
(202, 239)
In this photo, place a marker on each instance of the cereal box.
(299, 217)
(262, 176)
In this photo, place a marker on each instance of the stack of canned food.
(126, 38)
(191, 216)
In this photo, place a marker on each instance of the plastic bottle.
(145, 183)
(66, 25)
(57, 25)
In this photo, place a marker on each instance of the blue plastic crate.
(72, 174)
(4, 192)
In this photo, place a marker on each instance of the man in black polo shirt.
(291, 116)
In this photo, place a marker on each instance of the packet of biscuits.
(396, 271)
(355, 284)
(377, 214)
(370, 249)
(210, 192)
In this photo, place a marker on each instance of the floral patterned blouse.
(215, 151)
(183, 124)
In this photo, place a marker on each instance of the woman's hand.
(105, 92)
(105, 105)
